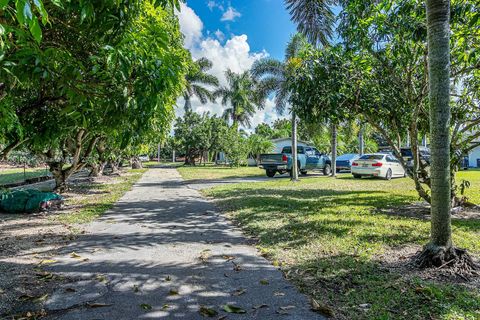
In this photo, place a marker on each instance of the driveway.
(165, 252)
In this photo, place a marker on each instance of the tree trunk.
(136, 163)
(97, 169)
(60, 175)
(438, 16)
(440, 251)
(9, 148)
(294, 175)
(334, 149)
(361, 143)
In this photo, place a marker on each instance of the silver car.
(380, 165)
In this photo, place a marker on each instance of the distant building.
(474, 158)
(286, 142)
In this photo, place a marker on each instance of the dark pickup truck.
(309, 159)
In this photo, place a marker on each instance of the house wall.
(285, 143)
(474, 157)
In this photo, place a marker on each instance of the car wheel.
(357, 176)
(303, 172)
(271, 173)
(327, 170)
(388, 176)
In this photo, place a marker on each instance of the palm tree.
(196, 80)
(315, 19)
(272, 76)
(440, 250)
(243, 97)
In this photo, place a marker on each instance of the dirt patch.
(400, 259)
(421, 210)
(28, 243)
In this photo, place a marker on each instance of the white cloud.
(235, 54)
(220, 35)
(190, 24)
(230, 15)
(211, 5)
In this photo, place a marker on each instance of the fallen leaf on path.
(75, 255)
(98, 305)
(207, 312)
(239, 292)
(146, 306)
(233, 309)
(41, 298)
(260, 306)
(26, 297)
(236, 266)
(168, 278)
(101, 278)
(165, 307)
(285, 310)
(228, 258)
(264, 282)
(322, 308)
(205, 255)
(173, 292)
(278, 294)
(1, 291)
(47, 261)
(70, 290)
(135, 288)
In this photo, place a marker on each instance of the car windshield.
(348, 156)
(372, 157)
(289, 150)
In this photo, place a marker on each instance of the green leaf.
(233, 309)
(207, 312)
(35, 29)
(3, 4)
(146, 306)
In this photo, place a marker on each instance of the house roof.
(288, 139)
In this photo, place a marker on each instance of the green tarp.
(27, 201)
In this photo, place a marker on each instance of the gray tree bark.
(294, 175)
(438, 16)
(334, 148)
(361, 143)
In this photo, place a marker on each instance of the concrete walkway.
(163, 252)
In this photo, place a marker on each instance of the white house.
(286, 142)
(474, 158)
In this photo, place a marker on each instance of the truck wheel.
(303, 172)
(357, 176)
(327, 170)
(271, 173)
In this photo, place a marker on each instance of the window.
(372, 157)
(300, 150)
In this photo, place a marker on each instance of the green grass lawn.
(213, 172)
(98, 198)
(9, 176)
(329, 236)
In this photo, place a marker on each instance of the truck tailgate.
(271, 158)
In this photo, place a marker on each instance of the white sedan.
(380, 165)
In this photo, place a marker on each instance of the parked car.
(344, 162)
(309, 159)
(424, 153)
(144, 158)
(377, 165)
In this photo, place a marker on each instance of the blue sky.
(233, 34)
(266, 22)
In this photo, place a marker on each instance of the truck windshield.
(300, 150)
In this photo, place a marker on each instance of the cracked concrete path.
(163, 252)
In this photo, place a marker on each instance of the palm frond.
(266, 67)
(295, 45)
(314, 18)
